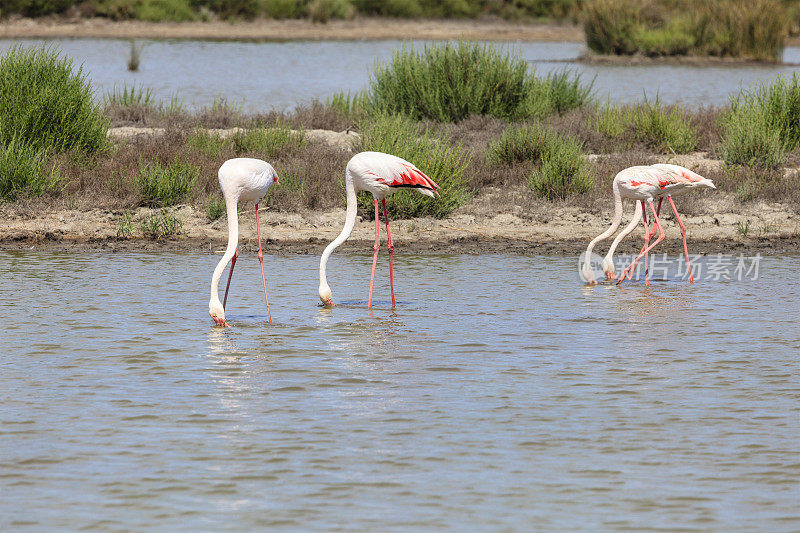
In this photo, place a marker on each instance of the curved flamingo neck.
(349, 223)
(614, 225)
(233, 241)
(637, 217)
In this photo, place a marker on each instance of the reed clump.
(443, 162)
(451, 82)
(750, 29)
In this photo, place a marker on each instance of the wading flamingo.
(382, 175)
(645, 184)
(241, 179)
(685, 181)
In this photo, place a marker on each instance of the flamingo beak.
(220, 321)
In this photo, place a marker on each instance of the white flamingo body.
(246, 180)
(382, 175)
(644, 184)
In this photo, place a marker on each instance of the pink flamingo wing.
(410, 176)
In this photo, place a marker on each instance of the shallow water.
(502, 394)
(261, 76)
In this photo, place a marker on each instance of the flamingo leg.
(230, 275)
(376, 248)
(653, 231)
(647, 239)
(390, 247)
(683, 234)
(261, 260)
(631, 267)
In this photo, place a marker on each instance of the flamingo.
(247, 180)
(382, 175)
(668, 192)
(645, 183)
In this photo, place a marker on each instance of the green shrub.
(164, 186)
(33, 8)
(564, 171)
(667, 129)
(24, 170)
(147, 10)
(443, 163)
(659, 127)
(325, 10)
(762, 125)
(522, 143)
(558, 93)
(283, 9)
(206, 143)
(161, 224)
(753, 29)
(232, 9)
(749, 141)
(46, 103)
(268, 141)
(610, 26)
(450, 82)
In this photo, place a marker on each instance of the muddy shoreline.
(471, 230)
(359, 28)
(467, 245)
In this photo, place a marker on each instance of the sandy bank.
(496, 220)
(356, 29)
(474, 228)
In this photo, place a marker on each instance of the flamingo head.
(588, 276)
(217, 314)
(325, 295)
(608, 268)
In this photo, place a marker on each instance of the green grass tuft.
(130, 96)
(215, 207)
(164, 186)
(763, 125)
(443, 163)
(667, 129)
(160, 224)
